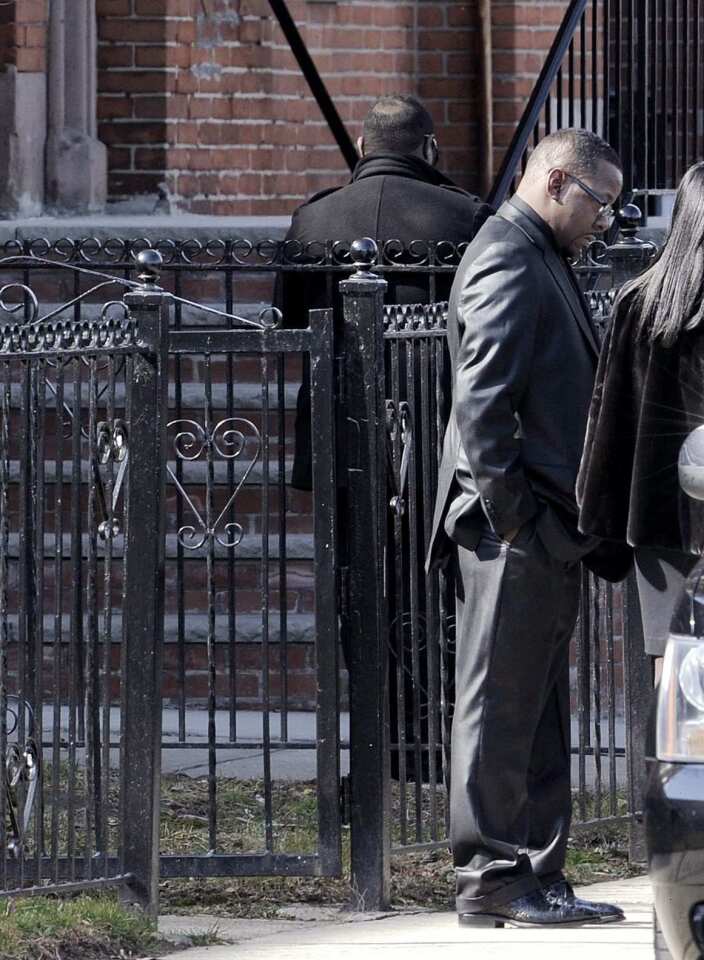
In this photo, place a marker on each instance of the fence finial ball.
(364, 252)
(691, 464)
(628, 217)
(150, 263)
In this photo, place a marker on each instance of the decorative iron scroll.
(227, 440)
(267, 319)
(415, 316)
(63, 335)
(218, 252)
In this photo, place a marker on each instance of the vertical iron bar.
(281, 498)
(611, 699)
(39, 415)
(108, 540)
(231, 569)
(638, 691)
(75, 658)
(597, 610)
(27, 570)
(326, 628)
(210, 515)
(58, 617)
(92, 760)
(583, 690)
(265, 603)
(413, 592)
(180, 562)
(4, 605)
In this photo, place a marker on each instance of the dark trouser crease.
(510, 801)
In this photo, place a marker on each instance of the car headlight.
(680, 718)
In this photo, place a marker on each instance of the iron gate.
(81, 417)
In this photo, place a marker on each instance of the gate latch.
(395, 420)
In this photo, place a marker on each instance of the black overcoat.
(647, 398)
(390, 197)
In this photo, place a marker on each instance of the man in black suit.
(524, 358)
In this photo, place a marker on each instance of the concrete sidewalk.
(411, 935)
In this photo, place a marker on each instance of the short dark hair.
(579, 151)
(397, 124)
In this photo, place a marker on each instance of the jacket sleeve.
(498, 312)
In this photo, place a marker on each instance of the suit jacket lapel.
(519, 213)
(569, 292)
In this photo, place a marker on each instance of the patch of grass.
(81, 928)
(417, 879)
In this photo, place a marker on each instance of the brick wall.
(205, 98)
(23, 32)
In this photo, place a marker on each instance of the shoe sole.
(496, 921)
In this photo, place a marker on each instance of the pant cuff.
(497, 897)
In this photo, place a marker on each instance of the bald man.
(524, 359)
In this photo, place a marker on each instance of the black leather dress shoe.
(531, 910)
(561, 893)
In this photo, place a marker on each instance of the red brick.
(431, 15)
(461, 15)
(30, 61)
(112, 8)
(115, 55)
(131, 30)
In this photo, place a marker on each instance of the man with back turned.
(524, 359)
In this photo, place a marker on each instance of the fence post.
(364, 438)
(143, 592)
(629, 255)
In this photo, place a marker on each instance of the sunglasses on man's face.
(606, 210)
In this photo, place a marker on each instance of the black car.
(674, 802)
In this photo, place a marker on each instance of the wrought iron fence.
(80, 546)
(247, 685)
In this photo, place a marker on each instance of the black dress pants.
(510, 798)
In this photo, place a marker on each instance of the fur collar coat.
(647, 398)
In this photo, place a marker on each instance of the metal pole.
(315, 82)
(537, 100)
(364, 437)
(143, 601)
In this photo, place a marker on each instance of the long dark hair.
(669, 296)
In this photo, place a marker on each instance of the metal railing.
(631, 72)
(237, 535)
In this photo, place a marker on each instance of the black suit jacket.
(524, 355)
(390, 197)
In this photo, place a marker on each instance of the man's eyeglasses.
(605, 210)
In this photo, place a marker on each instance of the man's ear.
(556, 182)
(431, 151)
(360, 146)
